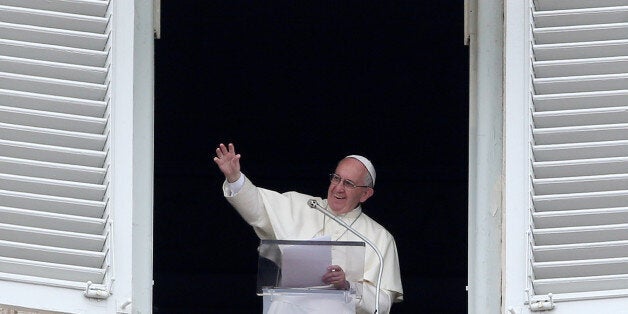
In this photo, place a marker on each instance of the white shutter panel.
(54, 142)
(579, 232)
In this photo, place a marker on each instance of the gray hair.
(368, 179)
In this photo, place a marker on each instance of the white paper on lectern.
(304, 265)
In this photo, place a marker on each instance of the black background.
(297, 85)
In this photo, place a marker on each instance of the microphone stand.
(314, 204)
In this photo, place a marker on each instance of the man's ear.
(367, 194)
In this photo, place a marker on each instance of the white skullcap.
(367, 163)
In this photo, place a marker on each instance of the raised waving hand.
(228, 161)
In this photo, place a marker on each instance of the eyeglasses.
(347, 184)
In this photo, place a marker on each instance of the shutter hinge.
(541, 303)
(95, 292)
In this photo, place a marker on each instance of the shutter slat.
(53, 204)
(581, 33)
(587, 16)
(573, 84)
(585, 167)
(574, 151)
(581, 284)
(55, 37)
(594, 49)
(580, 268)
(581, 234)
(63, 71)
(549, 5)
(53, 238)
(580, 117)
(84, 7)
(55, 87)
(580, 217)
(52, 120)
(580, 67)
(46, 136)
(48, 254)
(52, 53)
(47, 153)
(52, 221)
(583, 184)
(553, 102)
(57, 104)
(51, 19)
(49, 170)
(50, 270)
(574, 201)
(84, 191)
(589, 133)
(590, 250)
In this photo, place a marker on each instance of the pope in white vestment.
(287, 216)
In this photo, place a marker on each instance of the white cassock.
(287, 216)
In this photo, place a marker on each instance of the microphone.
(314, 204)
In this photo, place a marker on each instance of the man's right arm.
(244, 196)
(241, 193)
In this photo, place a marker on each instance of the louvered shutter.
(53, 170)
(75, 178)
(579, 225)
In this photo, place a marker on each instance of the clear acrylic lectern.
(290, 275)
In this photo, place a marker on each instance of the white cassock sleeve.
(250, 206)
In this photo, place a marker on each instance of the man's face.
(341, 199)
